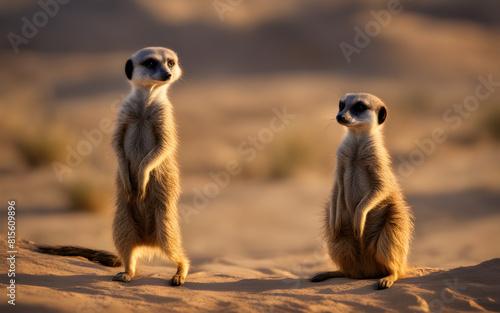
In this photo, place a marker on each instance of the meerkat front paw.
(141, 195)
(358, 232)
(358, 225)
(141, 188)
(336, 231)
(336, 228)
(123, 277)
(177, 280)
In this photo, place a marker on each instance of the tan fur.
(368, 225)
(145, 143)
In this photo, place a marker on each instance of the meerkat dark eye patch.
(341, 105)
(382, 114)
(359, 107)
(129, 69)
(150, 63)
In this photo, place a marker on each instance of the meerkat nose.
(165, 76)
(341, 119)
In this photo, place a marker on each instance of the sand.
(62, 284)
(253, 249)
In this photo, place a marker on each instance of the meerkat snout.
(342, 119)
(153, 66)
(361, 110)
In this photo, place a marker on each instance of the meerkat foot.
(386, 282)
(177, 280)
(123, 277)
(326, 275)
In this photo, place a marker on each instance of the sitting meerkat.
(147, 180)
(368, 225)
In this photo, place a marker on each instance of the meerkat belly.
(356, 184)
(139, 141)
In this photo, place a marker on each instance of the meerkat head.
(153, 66)
(361, 111)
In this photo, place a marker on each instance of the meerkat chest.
(356, 179)
(356, 184)
(139, 139)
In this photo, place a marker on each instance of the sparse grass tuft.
(493, 124)
(293, 152)
(413, 102)
(289, 154)
(89, 194)
(41, 147)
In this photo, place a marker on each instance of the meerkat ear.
(129, 68)
(382, 114)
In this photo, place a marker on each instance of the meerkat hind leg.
(129, 261)
(177, 256)
(180, 276)
(123, 277)
(326, 275)
(385, 255)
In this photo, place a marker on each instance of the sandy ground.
(260, 258)
(54, 284)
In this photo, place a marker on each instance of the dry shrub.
(492, 124)
(41, 146)
(89, 193)
(290, 152)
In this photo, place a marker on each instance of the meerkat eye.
(171, 63)
(150, 63)
(341, 105)
(359, 107)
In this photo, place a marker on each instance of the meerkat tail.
(98, 256)
(326, 275)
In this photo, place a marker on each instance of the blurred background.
(242, 62)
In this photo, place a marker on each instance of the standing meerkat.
(145, 143)
(368, 225)
(147, 180)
